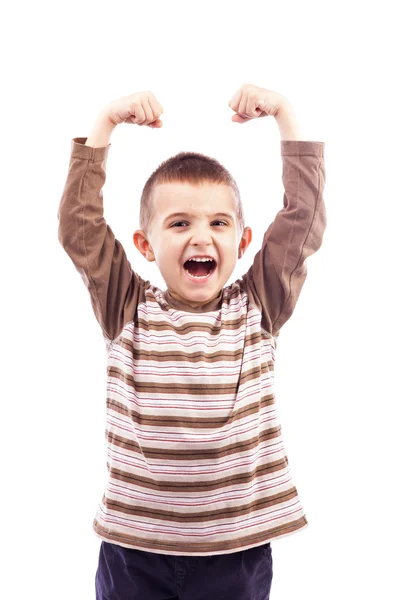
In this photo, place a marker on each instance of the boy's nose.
(202, 238)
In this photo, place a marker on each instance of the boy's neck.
(193, 304)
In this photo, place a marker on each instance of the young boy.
(199, 482)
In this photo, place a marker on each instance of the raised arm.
(83, 232)
(88, 240)
(277, 275)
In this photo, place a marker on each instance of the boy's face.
(172, 240)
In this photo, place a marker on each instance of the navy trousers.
(128, 574)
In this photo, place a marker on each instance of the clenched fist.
(141, 108)
(251, 102)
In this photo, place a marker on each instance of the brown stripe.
(205, 516)
(205, 547)
(193, 454)
(210, 328)
(206, 486)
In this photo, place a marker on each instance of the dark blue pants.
(128, 574)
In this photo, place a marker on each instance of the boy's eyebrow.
(185, 214)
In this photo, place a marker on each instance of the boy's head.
(199, 189)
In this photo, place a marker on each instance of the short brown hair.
(187, 167)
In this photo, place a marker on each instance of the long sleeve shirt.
(195, 457)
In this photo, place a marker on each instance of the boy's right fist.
(141, 108)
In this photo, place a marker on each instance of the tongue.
(198, 268)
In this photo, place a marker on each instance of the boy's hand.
(251, 102)
(141, 108)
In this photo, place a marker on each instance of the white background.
(337, 364)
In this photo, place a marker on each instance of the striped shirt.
(195, 457)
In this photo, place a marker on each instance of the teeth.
(201, 259)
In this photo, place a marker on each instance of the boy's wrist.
(101, 132)
(287, 122)
(104, 117)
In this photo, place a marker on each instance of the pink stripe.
(182, 342)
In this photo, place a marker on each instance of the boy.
(198, 478)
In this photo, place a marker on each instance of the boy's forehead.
(168, 197)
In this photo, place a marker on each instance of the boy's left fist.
(251, 102)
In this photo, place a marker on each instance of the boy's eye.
(178, 222)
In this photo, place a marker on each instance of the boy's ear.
(247, 236)
(143, 245)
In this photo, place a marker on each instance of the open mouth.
(199, 271)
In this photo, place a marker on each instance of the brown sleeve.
(276, 277)
(90, 243)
